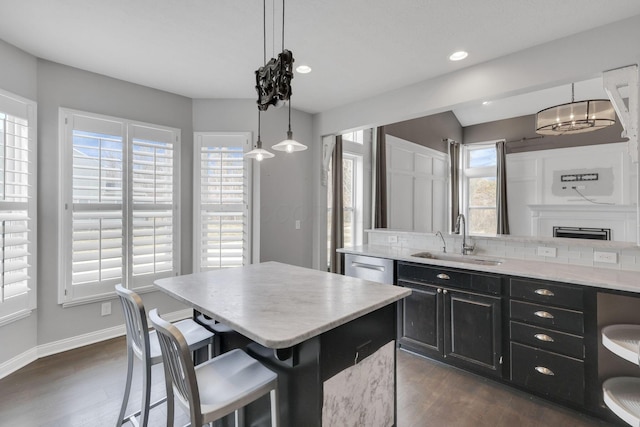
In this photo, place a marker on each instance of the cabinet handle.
(544, 371)
(439, 290)
(443, 276)
(445, 291)
(544, 337)
(544, 292)
(544, 314)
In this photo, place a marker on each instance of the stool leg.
(275, 409)
(127, 386)
(146, 393)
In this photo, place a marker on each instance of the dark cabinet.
(547, 326)
(446, 318)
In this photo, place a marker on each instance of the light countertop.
(622, 280)
(279, 305)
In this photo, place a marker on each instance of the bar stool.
(144, 345)
(216, 387)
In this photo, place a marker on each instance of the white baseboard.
(33, 354)
(18, 362)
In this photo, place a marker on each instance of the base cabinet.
(447, 321)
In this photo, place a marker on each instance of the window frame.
(21, 306)
(249, 252)
(469, 172)
(131, 132)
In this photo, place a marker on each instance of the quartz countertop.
(621, 280)
(280, 305)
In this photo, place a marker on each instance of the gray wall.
(515, 129)
(18, 75)
(285, 180)
(428, 131)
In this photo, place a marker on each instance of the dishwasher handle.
(367, 266)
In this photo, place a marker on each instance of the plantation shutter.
(123, 221)
(153, 203)
(222, 185)
(97, 259)
(17, 207)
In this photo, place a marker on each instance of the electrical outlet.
(106, 308)
(548, 252)
(608, 257)
(393, 239)
(297, 224)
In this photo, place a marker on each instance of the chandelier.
(575, 117)
(273, 84)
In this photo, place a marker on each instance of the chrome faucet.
(466, 249)
(444, 244)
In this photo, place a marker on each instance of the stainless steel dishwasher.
(370, 268)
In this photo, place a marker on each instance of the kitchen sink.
(457, 258)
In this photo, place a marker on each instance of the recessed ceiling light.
(459, 55)
(486, 102)
(303, 69)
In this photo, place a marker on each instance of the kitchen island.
(330, 338)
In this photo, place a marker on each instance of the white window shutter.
(222, 198)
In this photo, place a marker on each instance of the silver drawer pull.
(544, 371)
(544, 292)
(544, 337)
(367, 266)
(544, 314)
(443, 276)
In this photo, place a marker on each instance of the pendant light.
(259, 153)
(289, 145)
(575, 117)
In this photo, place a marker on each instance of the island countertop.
(280, 305)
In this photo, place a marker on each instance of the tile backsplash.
(567, 251)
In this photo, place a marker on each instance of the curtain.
(380, 196)
(336, 264)
(454, 185)
(501, 190)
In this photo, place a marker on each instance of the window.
(479, 190)
(355, 136)
(119, 216)
(17, 207)
(222, 223)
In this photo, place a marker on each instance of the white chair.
(144, 345)
(216, 387)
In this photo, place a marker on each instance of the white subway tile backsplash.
(508, 247)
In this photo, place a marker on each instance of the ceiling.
(357, 48)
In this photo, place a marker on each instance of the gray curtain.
(380, 201)
(336, 264)
(501, 190)
(454, 190)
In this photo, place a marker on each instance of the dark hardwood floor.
(83, 387)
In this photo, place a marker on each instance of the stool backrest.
(178, 365)
(136, 322)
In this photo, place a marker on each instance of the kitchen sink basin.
(457, 258)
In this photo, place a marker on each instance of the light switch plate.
(608, 257)
(548, 252)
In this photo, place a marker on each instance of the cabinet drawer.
(549, 317)
(546, 339)
(447, 277)
(548, 373)
(548, 293)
